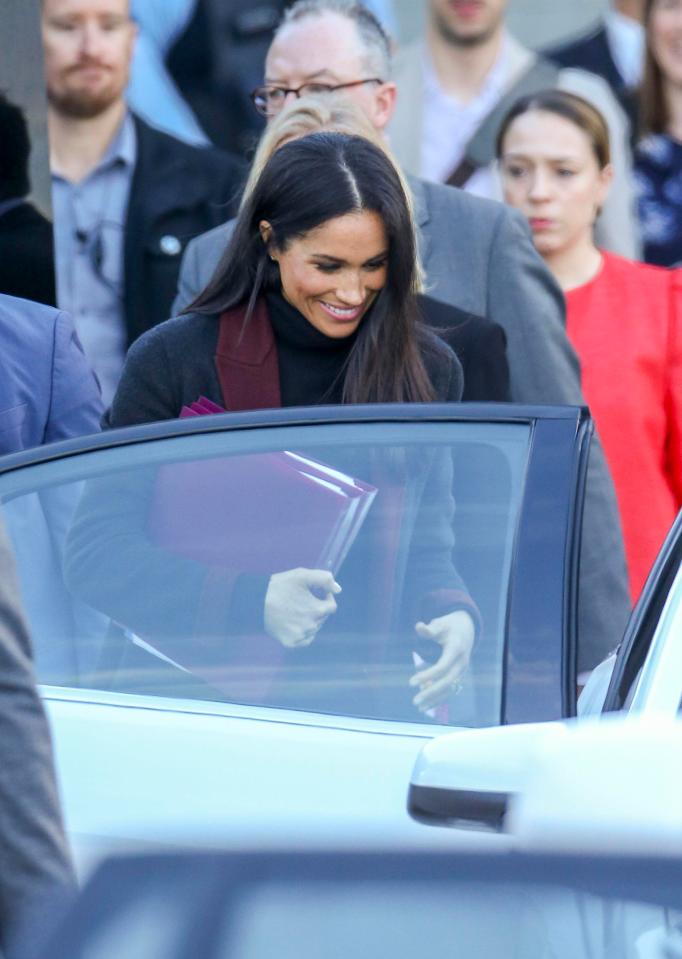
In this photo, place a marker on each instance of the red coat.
(627, 330)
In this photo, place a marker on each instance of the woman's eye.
(327, 267)
(373, 267)
(565, 173)
(514, 171)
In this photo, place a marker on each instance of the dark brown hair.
(569, 106)
(304, 184)
(653, 108)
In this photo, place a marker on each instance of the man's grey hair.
(375, 40)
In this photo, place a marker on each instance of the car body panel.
(479, 775)
(147, 769)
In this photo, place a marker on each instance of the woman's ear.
(605, 181)
(266, 234)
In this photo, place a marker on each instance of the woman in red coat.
(622, 317)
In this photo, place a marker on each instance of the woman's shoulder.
(442, 366)
(439, 315)
(639, 280)
(177, 335)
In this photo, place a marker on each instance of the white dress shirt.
(450, 124)
(626, 42)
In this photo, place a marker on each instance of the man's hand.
(294, 613)
(455, 633)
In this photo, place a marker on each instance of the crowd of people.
(455, 218)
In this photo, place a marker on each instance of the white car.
(176, 717)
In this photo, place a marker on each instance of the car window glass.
(654, 681)
(148, 569)
(647, 639)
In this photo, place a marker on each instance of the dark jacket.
(480, 346)
(27, 255)
(190, 356)
(177, 192)
(172, 366)
(36, 875)
(591, 51)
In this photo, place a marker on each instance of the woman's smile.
(345, 314)
(333, 274)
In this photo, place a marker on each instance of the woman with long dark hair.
(658, 155)
(314, 301)
(322, 260)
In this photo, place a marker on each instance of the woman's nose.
(352, 292)
(539, 187)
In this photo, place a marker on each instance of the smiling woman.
(313, 302)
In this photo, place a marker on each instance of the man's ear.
(384, 104)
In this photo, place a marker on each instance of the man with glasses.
(477, 255)
(126, 197)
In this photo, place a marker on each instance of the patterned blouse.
(658, 185)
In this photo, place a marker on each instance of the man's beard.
(466, 40)
(83, 104)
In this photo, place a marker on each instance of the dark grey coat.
(36, 877)
(172, 365)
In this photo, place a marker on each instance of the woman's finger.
(325, 607)
(452, 650)
(320, 579)
(438, 692)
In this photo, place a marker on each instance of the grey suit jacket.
(36, 876)
(478, 255)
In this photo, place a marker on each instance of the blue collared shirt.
(89, 224)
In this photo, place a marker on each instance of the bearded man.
(127, 198)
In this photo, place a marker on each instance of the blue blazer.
(48, 391)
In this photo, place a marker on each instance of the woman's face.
(333, 273)
(551, 174)
(665, 38)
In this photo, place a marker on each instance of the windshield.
(308, 568)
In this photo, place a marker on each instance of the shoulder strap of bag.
(480, 151)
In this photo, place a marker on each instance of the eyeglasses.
(269, 100)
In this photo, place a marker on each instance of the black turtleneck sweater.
(311, 364)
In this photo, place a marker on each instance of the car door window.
(647, 667)
(145, 569)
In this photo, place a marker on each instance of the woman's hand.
(455, 633)
(293, 612)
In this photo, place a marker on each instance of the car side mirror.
(466, 779)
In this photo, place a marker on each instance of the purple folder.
(258, 512)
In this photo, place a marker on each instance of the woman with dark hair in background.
(658, 156)
(623, 317)
(313, 302)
